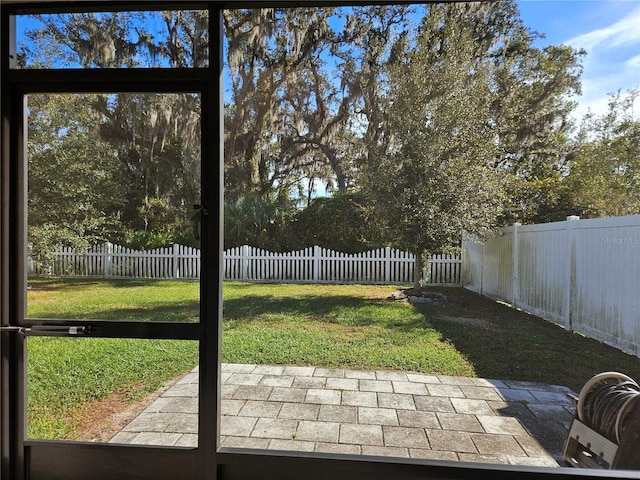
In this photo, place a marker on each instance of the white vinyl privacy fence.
(581, 274)
(311, 265)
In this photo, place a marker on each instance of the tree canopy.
(421, 120)
(604, 175)
(436, 177)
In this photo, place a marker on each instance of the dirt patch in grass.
(100, 420)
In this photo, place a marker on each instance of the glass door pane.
(113, 206)
(113, 232)
(130, 39)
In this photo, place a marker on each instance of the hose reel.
(607, 417)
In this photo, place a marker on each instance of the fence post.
(316, 263)
(387, 264)
(465, 268)
(482, 269)
(426, 270)
(244, 259)
(515, 267)
(176, 261)
(570, 274)
(108, 259)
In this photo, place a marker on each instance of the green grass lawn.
(352, 326)
(67, 375)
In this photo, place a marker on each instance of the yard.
(71, 381)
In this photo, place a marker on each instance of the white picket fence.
(311, 265)
(113, 261)
(581, 274)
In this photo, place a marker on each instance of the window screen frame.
(36, 459)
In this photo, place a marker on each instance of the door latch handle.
(47, 330)
(11, 328)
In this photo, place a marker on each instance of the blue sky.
(609, 30)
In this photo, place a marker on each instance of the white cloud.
(633, 63)
(624, 32)
(612, 61)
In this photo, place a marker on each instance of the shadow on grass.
(49, 285)
(504, 343)
(498, 341)
(177, 312)
(56, 284)
(327, 308)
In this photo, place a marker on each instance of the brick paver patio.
(387, 413)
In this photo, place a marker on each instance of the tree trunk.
(417, 271)
(341, 178)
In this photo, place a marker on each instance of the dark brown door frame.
(23, 458)
(50, 459)
(11, 348)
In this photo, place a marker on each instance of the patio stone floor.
(385, 413)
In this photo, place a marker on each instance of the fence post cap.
(573, 218)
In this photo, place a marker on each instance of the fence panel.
(581, 274)
(313, 264)
(541, 268)
(443, 269)
(495, 273)
(605, 300)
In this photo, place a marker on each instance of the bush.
(257, 221)
(341, 222)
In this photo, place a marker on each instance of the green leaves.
(103, 167)
(436, 179)
(255, 221)
(604, 175)
(342, 222)
(74, 184)
(444, 115)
